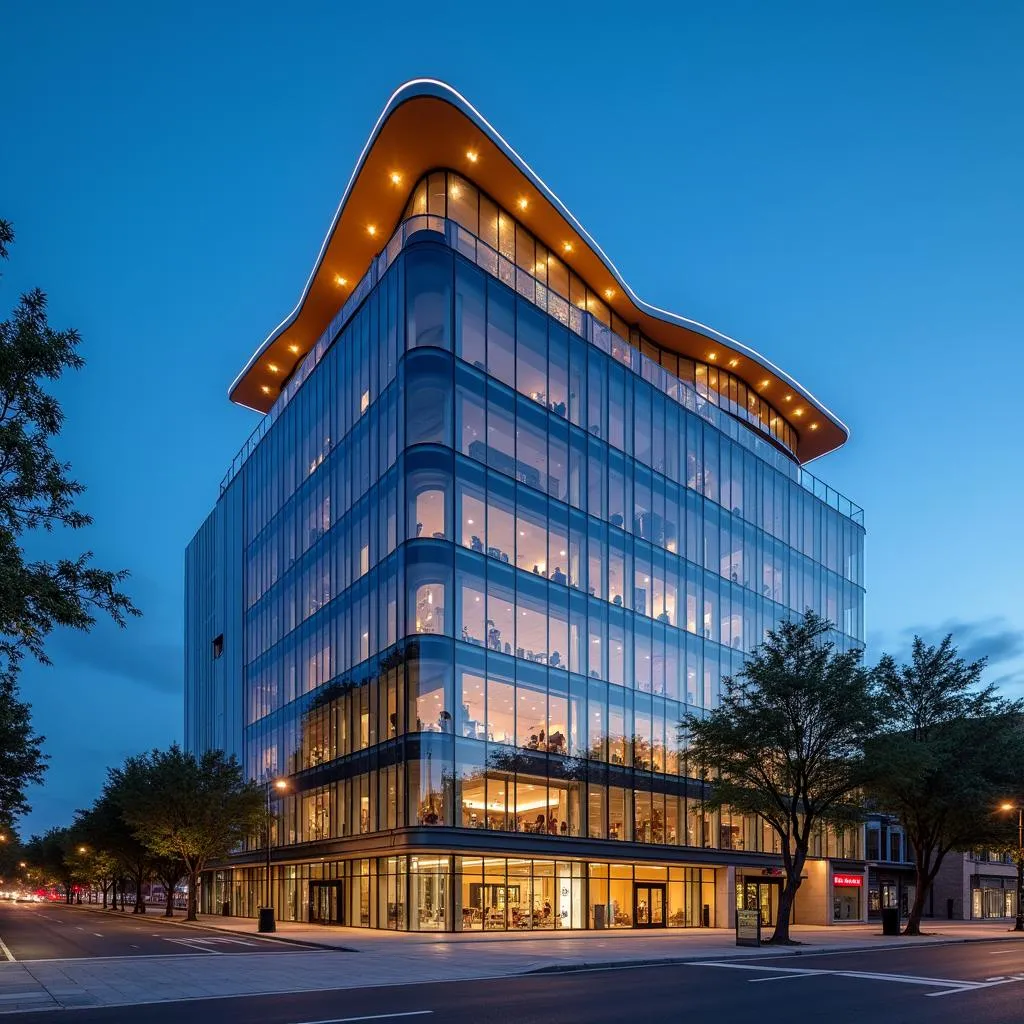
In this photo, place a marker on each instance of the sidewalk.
(402, 958)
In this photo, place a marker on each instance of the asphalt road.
(980, 983)
(52, 931)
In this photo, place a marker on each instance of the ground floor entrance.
(759, 894)
(326, 903)
(649, 905)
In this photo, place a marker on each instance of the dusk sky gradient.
(837, 185)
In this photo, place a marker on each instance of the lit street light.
(266, 914)
(1019, 923)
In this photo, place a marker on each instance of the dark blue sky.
(838, 185)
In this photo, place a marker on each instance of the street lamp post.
(266, 914)
(1019, 923)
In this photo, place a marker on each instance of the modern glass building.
(501, 525)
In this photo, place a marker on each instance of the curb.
(180, 922)
(771, 952)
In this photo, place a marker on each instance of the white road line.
(375, 1016)
(1003, 952)
(97, 934)
(3, 948)
(949, 985)
(785, 977)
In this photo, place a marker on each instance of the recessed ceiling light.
(294, 349)
(472, 156)
(788, 398)
(609, 293)
(396, 178)
(523, 202)
(567, 246)
(265, 389)
(734, 362)
(765, 383)
(342, 281)
(371, 229)
(712, 356)
(273, 368)
(814, 426)
(798, 412)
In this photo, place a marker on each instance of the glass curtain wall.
(486, 554)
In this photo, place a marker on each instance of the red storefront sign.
(850, 881)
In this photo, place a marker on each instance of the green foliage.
(787, 739)
(51, 856)
(189, 808)
(950, 753)
(22, 760)
(37, 492)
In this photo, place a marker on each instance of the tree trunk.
(113, 895)
(169, 886)
(924, 875)
(140, 907)
(123, 887)
(780, 937)
(193, 894)
(105, 887)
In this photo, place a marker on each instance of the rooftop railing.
(717, 409)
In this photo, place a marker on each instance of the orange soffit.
(427, 125)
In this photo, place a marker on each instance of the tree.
(786, 742)
(50, 853)
(37, 492)
(949, 754)
(105, 828)
(194, 809)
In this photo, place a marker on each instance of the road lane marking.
(786, 977)
(97, 934)
(375, 1016)
(948, 985)
(7, 953)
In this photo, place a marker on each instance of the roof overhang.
(427, 125)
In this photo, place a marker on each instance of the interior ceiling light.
(567, 246)
(396, 178)
(712, 356)
(788, 398)
(342, 281)
(814, 426)
(294, 349)
(798, 412)
(765, 383)
(472, 156)
(734, 362)
(523, 202)
(609, 293)
(265, 389)
(273, 368)
(371, 229)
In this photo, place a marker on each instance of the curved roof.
(426, 125)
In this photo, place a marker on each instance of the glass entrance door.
(649, 909)
(325, 903)
(762, 896)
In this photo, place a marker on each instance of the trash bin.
(267, 920)
(225, 908)
(890, 921)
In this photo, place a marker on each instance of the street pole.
(1019, 923)
(266, 918)
(266, 914)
